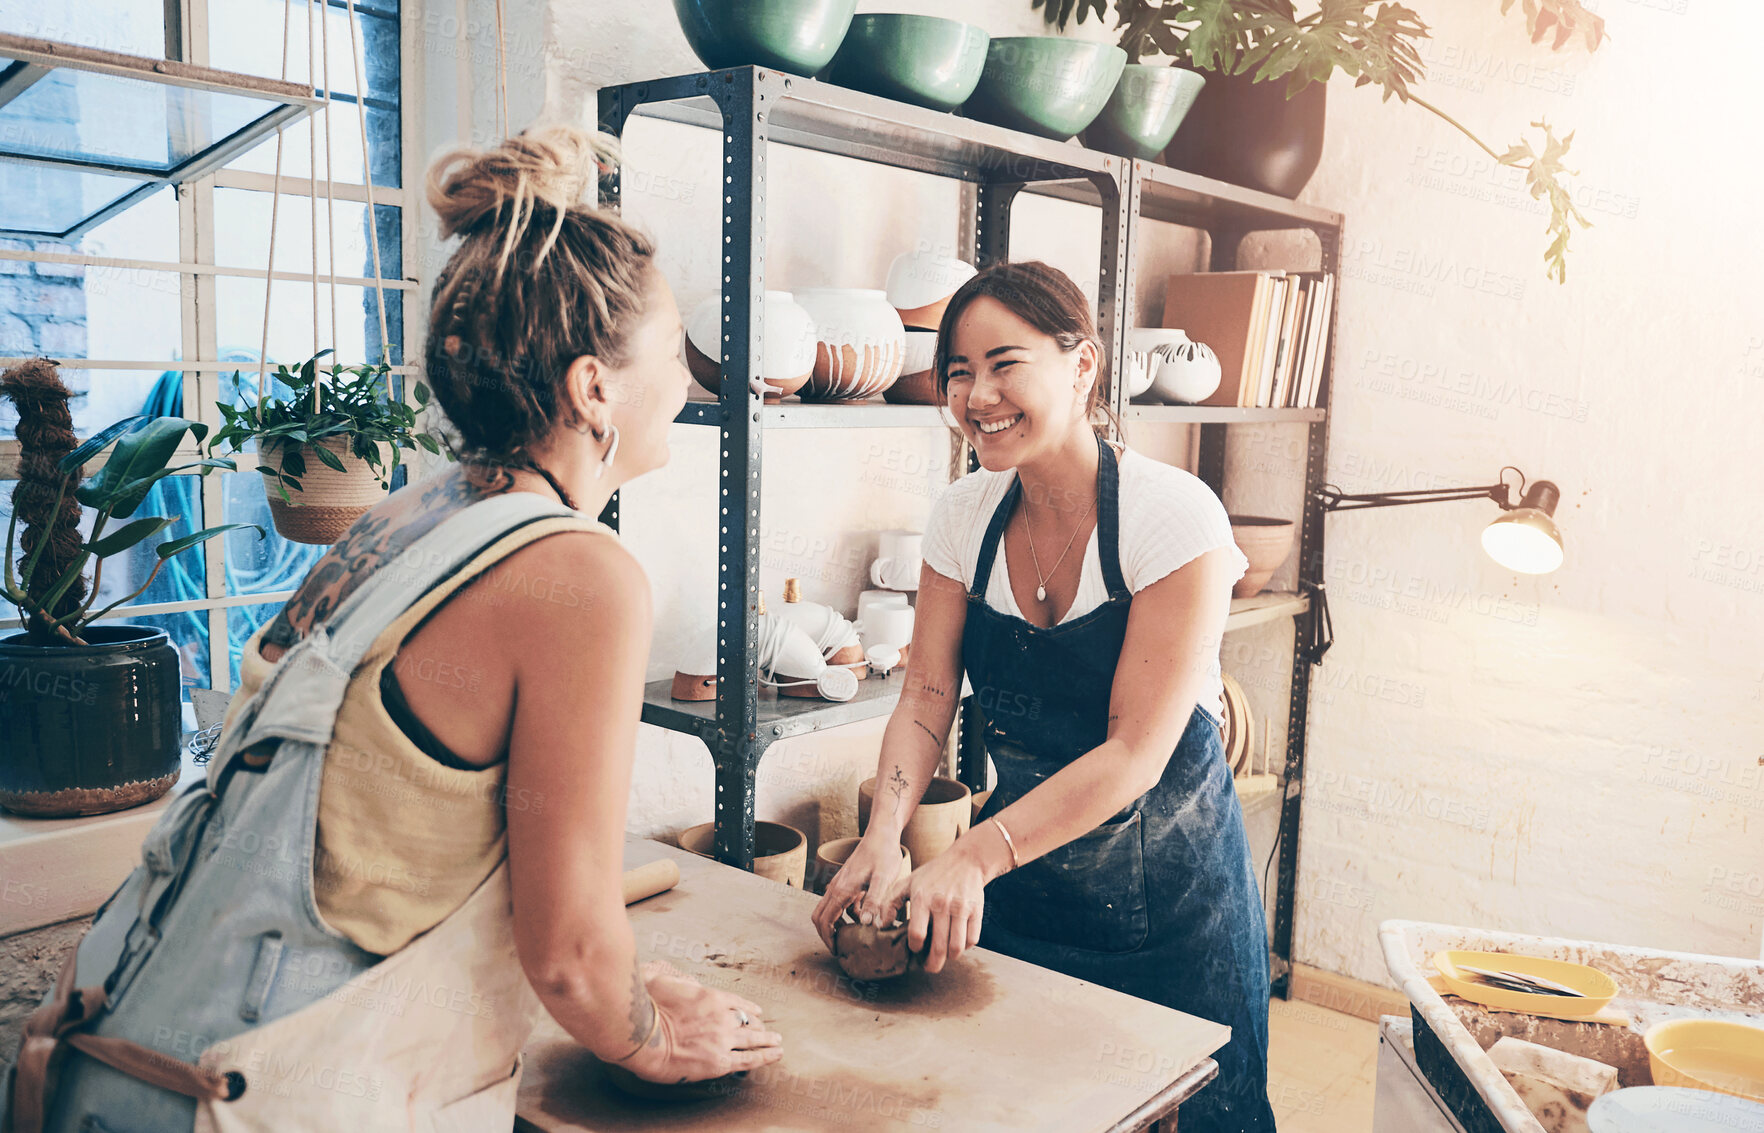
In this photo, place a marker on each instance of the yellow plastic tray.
(1596, 987)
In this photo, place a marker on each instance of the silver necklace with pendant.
(1041, 579)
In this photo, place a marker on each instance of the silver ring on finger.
(742, 1019)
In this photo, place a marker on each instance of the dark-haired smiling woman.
(1083, 589)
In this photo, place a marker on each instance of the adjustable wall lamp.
(1525, 539)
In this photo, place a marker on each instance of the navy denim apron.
(1160, 901)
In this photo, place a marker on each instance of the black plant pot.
(1251, 134)
(86, 729)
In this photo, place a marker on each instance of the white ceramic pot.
(788, 357)
(1185, 372)
(921, 284)
(1137, 370)
(871, 600)
(860, 343)
(889, 625)
(898, 557)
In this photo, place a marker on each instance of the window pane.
(239, 33)
(125, 123)
(133, 27)
(239, 318)
(46, 201)
(242, 226)
(246, 36)
(242, 622)
(269, 564)
(101, 397)
(300, 139)
(148, 230)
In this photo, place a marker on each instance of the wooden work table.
(990, 1043)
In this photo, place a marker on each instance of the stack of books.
(1270, 330)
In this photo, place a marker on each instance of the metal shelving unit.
(1228, 213)
(753, 107)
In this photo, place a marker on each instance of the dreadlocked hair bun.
(540, 277)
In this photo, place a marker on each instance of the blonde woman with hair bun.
(410, 838)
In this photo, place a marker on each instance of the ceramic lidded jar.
(788, 354)
(861, 343)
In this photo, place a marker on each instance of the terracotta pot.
(693, 686)
(329, 501)
(917, 384)
(830, 856)
(942, 816)
(920, 286)
(787, 359)
(860, 343)
(1250, 134)
(780, 852)
(1265, 542)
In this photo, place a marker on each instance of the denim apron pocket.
(1089, 893)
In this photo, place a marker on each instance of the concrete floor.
(1321, 1066)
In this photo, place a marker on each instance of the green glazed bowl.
(1142, 115)
(925, 60)
(798, 36)
(1045, 84)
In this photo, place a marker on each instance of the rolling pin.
(647, 880)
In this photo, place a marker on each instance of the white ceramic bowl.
(860, 343)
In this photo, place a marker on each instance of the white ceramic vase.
(1184, 372)
(860, 343)
(787, 359)
(921, 284)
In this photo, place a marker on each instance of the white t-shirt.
(1168, 517)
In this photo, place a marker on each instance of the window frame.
(187, 40)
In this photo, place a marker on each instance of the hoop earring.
(612, 451)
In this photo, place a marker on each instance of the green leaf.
(329, 459)
(293, 463)
(126, 476)
(422, 392)
(94, 444)
(167, 550)
(428, 443)
(129, 534)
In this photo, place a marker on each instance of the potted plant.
(327, 450)
(1246, 130)
(89, 714)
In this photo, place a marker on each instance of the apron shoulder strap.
(300, 698)
(1001, 515)
(1108, 520)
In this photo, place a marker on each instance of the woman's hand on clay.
(700, 1035)
(862, 881)
(945, 898)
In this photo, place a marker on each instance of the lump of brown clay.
(870, 952)
(631, 1084)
